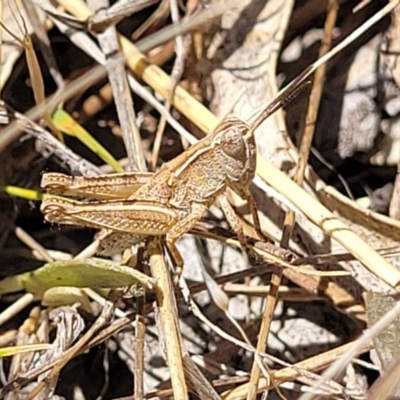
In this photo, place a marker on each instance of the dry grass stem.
(122, 95)
(168, 320)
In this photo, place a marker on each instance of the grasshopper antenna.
(284, 97)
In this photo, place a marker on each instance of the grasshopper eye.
(232, 142)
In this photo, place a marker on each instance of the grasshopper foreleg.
(180, 228)
(236, 225)
(254, 213)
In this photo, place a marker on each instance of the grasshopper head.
(237, 151)
(232, 142)
(234, 137)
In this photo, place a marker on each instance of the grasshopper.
(131, 206)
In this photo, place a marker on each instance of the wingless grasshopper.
(131, 206)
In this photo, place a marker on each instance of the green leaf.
(65, 123)
(23, 193)
(91, 273)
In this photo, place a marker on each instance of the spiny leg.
(180, 228)
(254, 213)
(176, 257)
(246, 195)
(236, 225)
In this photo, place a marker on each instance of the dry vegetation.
(316, 314)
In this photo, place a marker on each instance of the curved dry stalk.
(35, 73)
(44, 43)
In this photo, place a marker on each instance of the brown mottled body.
(167, 203)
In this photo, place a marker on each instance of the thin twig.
(140, 330)
(49, 145)
(104, 18)
(306, 142)
(35, 72)
(181, 50)
(44, 43)
(16, 307)
(29, 241)
(156, 18)
(123, 99)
